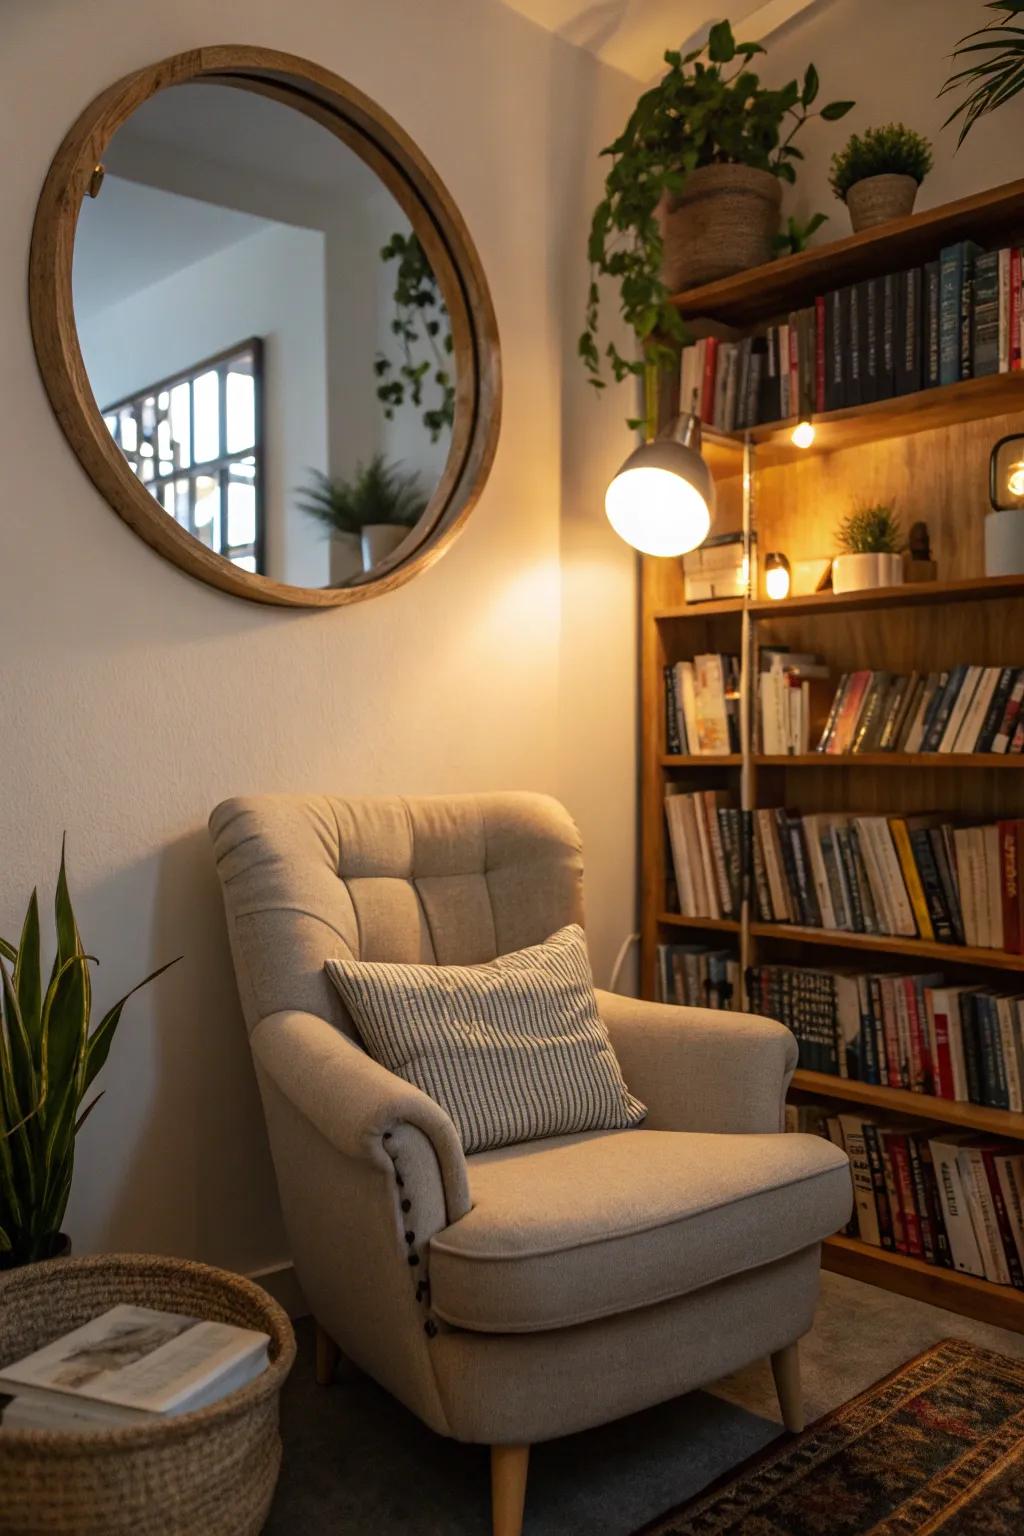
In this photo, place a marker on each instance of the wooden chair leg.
(327, 1355)
(508, 1488)
(786, 1370)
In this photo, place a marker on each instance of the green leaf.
(837, 109)
(86, 1112)
(65, 1034)
(28, 978)
(811, 83)
(102, 1036)
(8, 951)
(721, 45)
(5, 1242)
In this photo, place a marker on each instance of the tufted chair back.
(445, 879)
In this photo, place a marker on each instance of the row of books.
(702, 706)
(959, 316)
(966, 709)
(909, 876)
(962, 1043)
(706, 838)
(953, 1199)
(694, 976)
(792, 692)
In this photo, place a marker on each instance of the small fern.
(870, 531)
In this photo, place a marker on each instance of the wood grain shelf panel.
(760, 293)
(976, 1117)
(922, 949)
(726, 760)
(677, 920)
(713, 609)
(974, 589)
(886, 760)
(966, 1294)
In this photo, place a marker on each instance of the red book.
(846, 720)
(707, 393)
(1009, 849)
(942, 1066)
(896, 1142)
(819, 353)
(1015, 300)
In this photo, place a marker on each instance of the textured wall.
(133, 698)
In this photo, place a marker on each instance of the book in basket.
(127, 1366)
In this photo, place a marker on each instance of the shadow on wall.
(175, 1158)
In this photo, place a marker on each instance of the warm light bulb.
(1015, 479)
(656, 511)
(803, 434)
(776, 582)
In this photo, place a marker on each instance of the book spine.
(996, 712)
(930, 304)
(873, 1147)
(820, 365)
(950, 278)
(835, 393)
(920, 1199)
(943, 1256)
(889, 307)
(908, 357)
(673, 745)
(924, 858)
(707, 395)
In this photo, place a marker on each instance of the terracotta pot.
(722, 222)
(380, 540)
(877, 199)
(858, 573)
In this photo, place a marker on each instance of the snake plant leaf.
(65, 1037)
(98, 1047)
(21, 1087)
(5, 1242)
(28, 981)
(8, 951)
(87, 1111)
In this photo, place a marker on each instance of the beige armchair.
(515, 1295)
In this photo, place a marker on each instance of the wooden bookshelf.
(928, 454)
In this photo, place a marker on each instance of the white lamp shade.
(662, 499)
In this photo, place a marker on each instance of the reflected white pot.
(379, 540)
(857, 573)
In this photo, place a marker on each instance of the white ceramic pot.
(859, 573)
(380, 540)
(1004, 542)
(877, 199)
(345, 558)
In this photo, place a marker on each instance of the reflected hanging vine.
(423, 375)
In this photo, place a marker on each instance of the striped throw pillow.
(513, 1050)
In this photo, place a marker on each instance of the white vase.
(1004, 542)
(345, 558)
(380, 540)
(859, 573)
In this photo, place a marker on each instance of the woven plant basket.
(724, 221)
(209, 1473)
(877, 199)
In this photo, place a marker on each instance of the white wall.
(270, 285)
(134, 699)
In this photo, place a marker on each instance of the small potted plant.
(373, 510)
(878, 173)
(694, 190)
(869, 540)
(49, 1057)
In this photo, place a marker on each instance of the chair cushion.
(513, 1049)
(581, 1227)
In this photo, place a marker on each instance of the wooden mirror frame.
(361, 125)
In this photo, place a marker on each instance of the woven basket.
(877, 199)
(724, 221)
(209, 1473)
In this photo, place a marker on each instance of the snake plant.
(49, 1058)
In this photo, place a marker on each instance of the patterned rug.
(936, 1449)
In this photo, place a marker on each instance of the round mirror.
(264, 328)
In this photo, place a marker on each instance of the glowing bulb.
(1015, 479)
(776, 576)
(803, 434)
(656, 511)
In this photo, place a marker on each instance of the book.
(131, 1363)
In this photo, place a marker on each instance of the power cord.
(620, 959)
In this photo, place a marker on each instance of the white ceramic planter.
(1004, 542)
(345, 558)
(380, 540)
(859, 573)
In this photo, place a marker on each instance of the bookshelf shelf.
(890, 944)
(967, 1294)
(927, 454)
(880, 760)
(976, 1117)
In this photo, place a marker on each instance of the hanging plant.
(993, 73)
(423, 376)
(700, 114)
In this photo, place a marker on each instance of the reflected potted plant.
(50, 1055)
(877, 173)
(694, 191)
(869, 540)
(377, 505)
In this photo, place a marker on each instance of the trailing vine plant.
(700, 113)
(421, 326)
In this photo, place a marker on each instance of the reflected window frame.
(251, 352)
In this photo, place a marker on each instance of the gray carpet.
(357, 1464)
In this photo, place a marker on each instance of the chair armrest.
(701, 1069)
(352, 1100)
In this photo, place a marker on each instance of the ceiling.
(632, 35)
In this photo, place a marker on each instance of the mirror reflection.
(264, 336)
